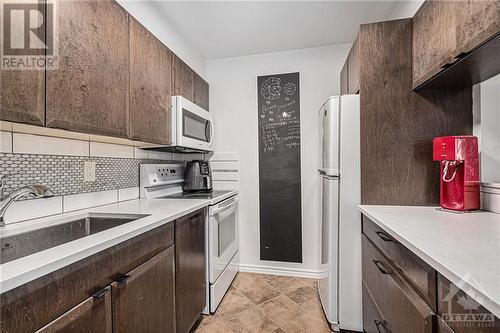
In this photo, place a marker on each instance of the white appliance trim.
(283, 271)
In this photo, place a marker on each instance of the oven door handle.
(219, 210)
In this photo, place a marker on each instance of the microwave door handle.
(212, 133)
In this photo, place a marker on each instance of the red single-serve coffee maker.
(459, 164)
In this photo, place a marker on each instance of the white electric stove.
(164, 181)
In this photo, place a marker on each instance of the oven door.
(223, 233)
(195, 128)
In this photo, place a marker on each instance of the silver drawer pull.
(381, 267)
(384, 236)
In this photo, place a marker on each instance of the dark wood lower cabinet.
(190, 292)
(373, 322)
(91, 316)
(143, 299)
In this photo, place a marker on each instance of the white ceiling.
(220, 29)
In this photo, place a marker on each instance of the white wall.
(405, 9)
(487, 127)
(233, 104)
(149, 14)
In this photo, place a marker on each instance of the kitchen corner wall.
(59, 164)
(233, 99)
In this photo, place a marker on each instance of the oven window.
(194, 126)
(227, 231)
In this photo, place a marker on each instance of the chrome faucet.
(39, 191)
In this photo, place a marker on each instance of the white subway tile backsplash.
(111, 150)
(5, 142)
(31, 209)
(88, 200)
(36, 144)
(128, 193)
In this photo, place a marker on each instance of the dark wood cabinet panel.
(201, 92)
(461, 312)
(182, 79)
(373, 322)
(442, 327)
(352, 68)
(143, 299)
(344, 89)
(190, 292)
(22, 92)
(420, 275)
(477, 21)
(150, 91)
(434, 38)
(398, 124)
(33, 305)
(89, 91)
(91, 316)
(399, 304)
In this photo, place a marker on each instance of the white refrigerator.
(339, 172)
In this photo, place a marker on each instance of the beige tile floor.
(268, 303)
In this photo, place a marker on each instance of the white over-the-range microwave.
(192, 128)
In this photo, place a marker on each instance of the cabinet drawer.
(372, 319)
(421, 276)
(399, 304)
(461, 312)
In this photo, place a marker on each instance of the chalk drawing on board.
(290, 88)
(271, 89)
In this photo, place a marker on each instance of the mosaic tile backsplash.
(64, 174)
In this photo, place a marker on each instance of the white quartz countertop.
(464, 248)
(26, 269)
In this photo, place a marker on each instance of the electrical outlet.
(89, 171)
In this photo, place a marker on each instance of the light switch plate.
(89, 171)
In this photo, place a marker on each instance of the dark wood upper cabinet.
(352, 68)
(343, 80)
(182, 79)
(150, 90)
(201, 97)
(91, 316)
(477, 21)
(190, 292)
(22, 92)
(143, 299)
(454, 43)
(434, 38)
(89, 92)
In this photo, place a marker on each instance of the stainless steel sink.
(23, 244)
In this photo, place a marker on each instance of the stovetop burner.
(196, 195)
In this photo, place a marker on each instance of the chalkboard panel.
(279, 167)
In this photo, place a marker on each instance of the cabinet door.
(91, 316)
(182, 79)
(89, 91)
(189, 270)
(478, 20)
(434, 39)
(201, 92)
(353, 68)
(143, 299)
(22, 92)
(344, 79)
(150, 70)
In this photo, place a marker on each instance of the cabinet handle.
(379, 323)
(381, 267)
(384, 236)
(462, 55)
(122, 279)
(101, 293)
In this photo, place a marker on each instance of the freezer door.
(328, 284)
(329, 137)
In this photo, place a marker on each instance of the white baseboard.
(283, 271)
